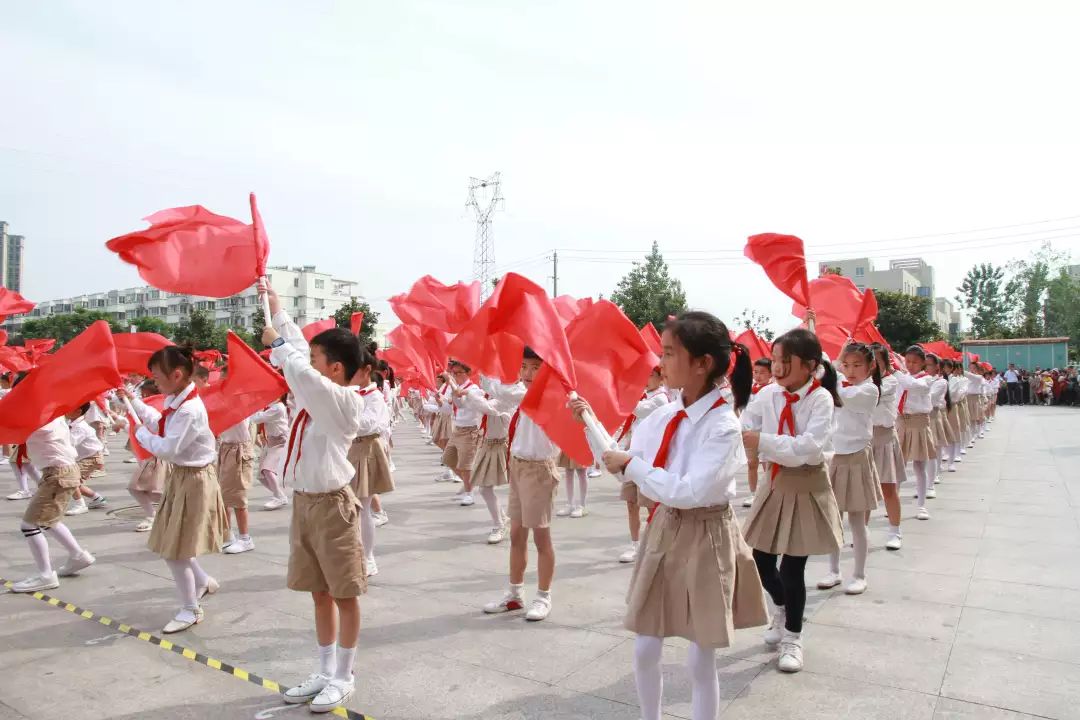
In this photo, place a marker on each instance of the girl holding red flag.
(762, 377)
(941, 402)
(888, 460)
(191, 519)
(694, 577)
(465, 434)
(148, 482)
(796, 516)
(913, 423)
(274, 421)
(490, 468)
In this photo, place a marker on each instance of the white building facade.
(307, 294)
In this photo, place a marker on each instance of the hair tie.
(819, 372)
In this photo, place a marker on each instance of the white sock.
(245, 537)
(328, 659)
(705, 694)
(63, 536)
(834, 562)
(648, 677)
(583, 487)
(345, 658)
(544, 594)
(20, 478)
(569, 477)
(184, 578)
(201, 578)
(517, 590)
(920, 482)
(367, 527)
(932, 470)
(268, 478)
(857, 523)
(145, 500)
(39, 548)
(492, 502)
(895, 530)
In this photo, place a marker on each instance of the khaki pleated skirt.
(952, 423)
(191, 518)
(975, 409)
(373, 476)
(916, 438)
(855, 481)
(937, 428)
(149, 476)
(948, 435)
(963, 415)
(795, 513)
(695, 578)
(888, 460)
(567, 463)
(631, 493)
(489, 469)
(440, 428)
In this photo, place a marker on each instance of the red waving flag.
(652, 339)
(12, 303)
(612, 363)
(569, 307)
(942, 349)
(355, 321)
(250, 385)
(12, 360)
(517, 314)
(429, 303)
(155, 401)
(192, 250)
(757, 345)
(133, 351)
(78, 372)
(312, 329)
(868, 311)
(414, 353)
(784, 261)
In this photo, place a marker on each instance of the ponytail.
(742, 376)
(828, 381)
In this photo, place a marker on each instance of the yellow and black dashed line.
(178, 649)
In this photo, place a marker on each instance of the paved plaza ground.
(977, 618)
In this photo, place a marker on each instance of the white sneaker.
(334, 695)
(381, 518)
(276, 503)
(539, 609)
(564, 511)
(922, 514)
(183, 620)
(630, 555)
(510, 601)
(145, 525)
(951, 468)
(36, 583)
(371, 568)
(830, 581)
(982, 435)
(393, 467)
(895, 542)
(594, 473)
(240, 546)
(963, 451)
(131, 460)
(971, 444)
(306, 691)
(76, 563)
(579, 512)
(456, 479)
(775, 632)
(467, 500)
(790, 653)
(961, 458)
(458, 497)
(497, 535)
(97, 503)
(931, 493)
(20, 495)
(77, 507)
(748, 502)
(856, 587)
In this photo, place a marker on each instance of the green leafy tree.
(197, 330)
(343, 316)
(258, 321)
(648, 293)
(753, 320)
(982, 294)
(1062, 302)
(905, 319)
(153, 325)
(65, 326)
(1028, 288)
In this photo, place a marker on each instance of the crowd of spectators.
(1039, 387)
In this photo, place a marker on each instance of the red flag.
(942, 349)
(258, 232)
(355, 321)
(757, 345)
(517, 314)
(250, 385)
(36, 348)
(194, 251)
(652, 339)
(612, 363)
(407, 340)
(444, 307)
(12, 360)
(155, 401)
(569, 307)
(972, 357)
(78, 372)
(207, 358)
(3, 336)
(784, 261)
(133, 351)
(312, 329)
(869, 333)
(12, 303)
(868, 311)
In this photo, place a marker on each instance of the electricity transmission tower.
(485, 197)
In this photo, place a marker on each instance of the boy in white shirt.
(90, 459)
(236, 467)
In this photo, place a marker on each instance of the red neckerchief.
(756, 387)
(169, 410)
(630, 420)
(298, 428)
(510, 433)
(484, 419)
(453, 402)
(661, 459)
(787, 417)
(903, 395)
(21, 456)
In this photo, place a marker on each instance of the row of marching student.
(823, 438)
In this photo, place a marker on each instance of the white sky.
(613, 124)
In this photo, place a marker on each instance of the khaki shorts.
(533, 484)
(325, 553)
(87, 466)
(57, 487)
(461, 448)
(236, 466)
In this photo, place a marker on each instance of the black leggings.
(787, 588)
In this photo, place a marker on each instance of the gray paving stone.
(1013, 681)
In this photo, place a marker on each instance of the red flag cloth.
(78, 372)
(432, 304)
(517, 314)
(265, 354)
(207, 358)
(133, 351)
(415, 354)
(355, 321)
(258, 232)
(250, 386)
(37, 348)
(835, 301)
(758, 346)
(784, 261)
(972, 357)
(868, 311)
(611, 363)
(942, 349)
(3, 336)
(155, 401)
(194, 251)
(12, 303)
(652, 339)
(569, 307)
(312, 329)
(12, 360)
(869, 333)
